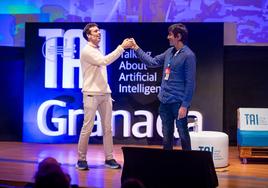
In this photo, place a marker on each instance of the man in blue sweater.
(178, 84)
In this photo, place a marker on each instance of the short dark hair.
(50, 174)
(86, 29)
(179, 28)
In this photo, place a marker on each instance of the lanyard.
(168, 69)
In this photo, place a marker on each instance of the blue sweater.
(181, 83)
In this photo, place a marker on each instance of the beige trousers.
(102, 103)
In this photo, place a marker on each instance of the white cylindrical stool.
(213, 141)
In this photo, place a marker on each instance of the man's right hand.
(127, 43)
(134, 44)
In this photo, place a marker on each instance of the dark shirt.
(181, 83)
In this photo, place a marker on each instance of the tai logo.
(206, 148)
(252, 119)
(61, 51)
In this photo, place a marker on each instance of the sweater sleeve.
(95, 57)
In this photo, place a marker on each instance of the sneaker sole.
(112, 167)
(79, 168)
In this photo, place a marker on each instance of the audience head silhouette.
(51, 175)
(132, 183)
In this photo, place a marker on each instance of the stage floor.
(19, 162)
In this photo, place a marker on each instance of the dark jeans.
(169, 113)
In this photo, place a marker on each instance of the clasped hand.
(129, 43)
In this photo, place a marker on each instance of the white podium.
(215, 142)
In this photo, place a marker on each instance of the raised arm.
(156, 61)
(93, 55)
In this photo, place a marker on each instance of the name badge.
(167, 73)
